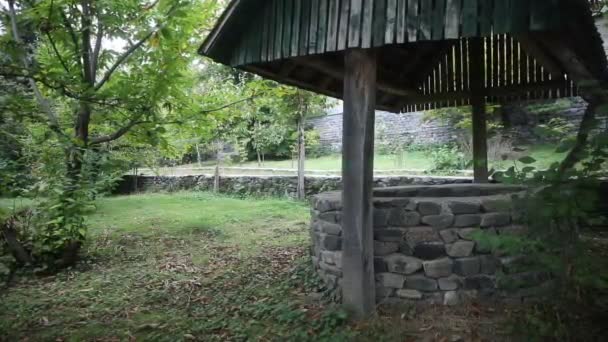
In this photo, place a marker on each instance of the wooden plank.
(509, 60)
(379, 22)
(343, 26)
(295, 27)
(544, 14)
(355, 23)
(367, 29)
(313, 27)
(265, 33)
(278, 34)
(287, 28)
(502, 21)
(322, 30)
(426, 20)
(358, 287)
(332, 25)
(520, 16)
(413, 20)
(438, 25)
(391, 22)
(486, 12)
(480, 144)
(304, 27)
(458, 70)
(465, 64)
(452, 19)
(271, 29)
(401, 30)
(470, 16)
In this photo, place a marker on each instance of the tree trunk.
(198, 156)
(587, 125)
(259, 158)
(301, 157)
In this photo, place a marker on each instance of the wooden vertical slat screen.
(508, 66)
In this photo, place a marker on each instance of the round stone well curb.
(424, 240)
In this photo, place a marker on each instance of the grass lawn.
(194, 266)
(412, 160)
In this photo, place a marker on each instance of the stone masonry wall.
(412, 128)
(281, 186)
(424, 243)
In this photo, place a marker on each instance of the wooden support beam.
(478, 102)
(531, 46)
(338, 73)
(358, 286)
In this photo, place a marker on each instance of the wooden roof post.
(478, 102)
(358, 287)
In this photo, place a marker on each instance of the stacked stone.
(425, 248)
(262, 186)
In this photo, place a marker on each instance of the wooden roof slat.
(422, 46)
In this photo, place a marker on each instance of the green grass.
(195, 266)
(412, 160)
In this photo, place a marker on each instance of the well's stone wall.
(424, 242)
(280, 186)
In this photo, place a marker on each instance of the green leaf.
(527, 160)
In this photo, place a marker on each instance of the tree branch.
(42, 101)
(130, 51)
(63, 63)
(118, 133)
(206, 111)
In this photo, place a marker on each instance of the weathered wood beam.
(478, 102)
(338, 73)
(511, 90)
(287, 68)
(531, 46)
(358, 286)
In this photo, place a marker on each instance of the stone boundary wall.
(424, 243)
(278, 186)
(412, 128)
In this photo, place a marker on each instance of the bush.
(448, 158)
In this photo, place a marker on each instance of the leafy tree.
(99, 70)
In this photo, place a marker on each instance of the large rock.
(449, 235)
(385, 248)
(409, 294)
(328, 228)
(450, 283)
(331, 242)
(467, 220)
(417, 235)
(467, 266)
(470, 206)
(496, 204)
(399, 263)
(391, 280)
(329, 201)
(331, 216)
(421, 283)
(438, 268)
(389, 235)
(381, 217)
(426, 208)
(460, 249)
(429, 250)
(451, 298)
(480, 282)
(400, 217)
(380, 265)
(468, 233)
(439, 221)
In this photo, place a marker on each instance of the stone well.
(423, 242)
